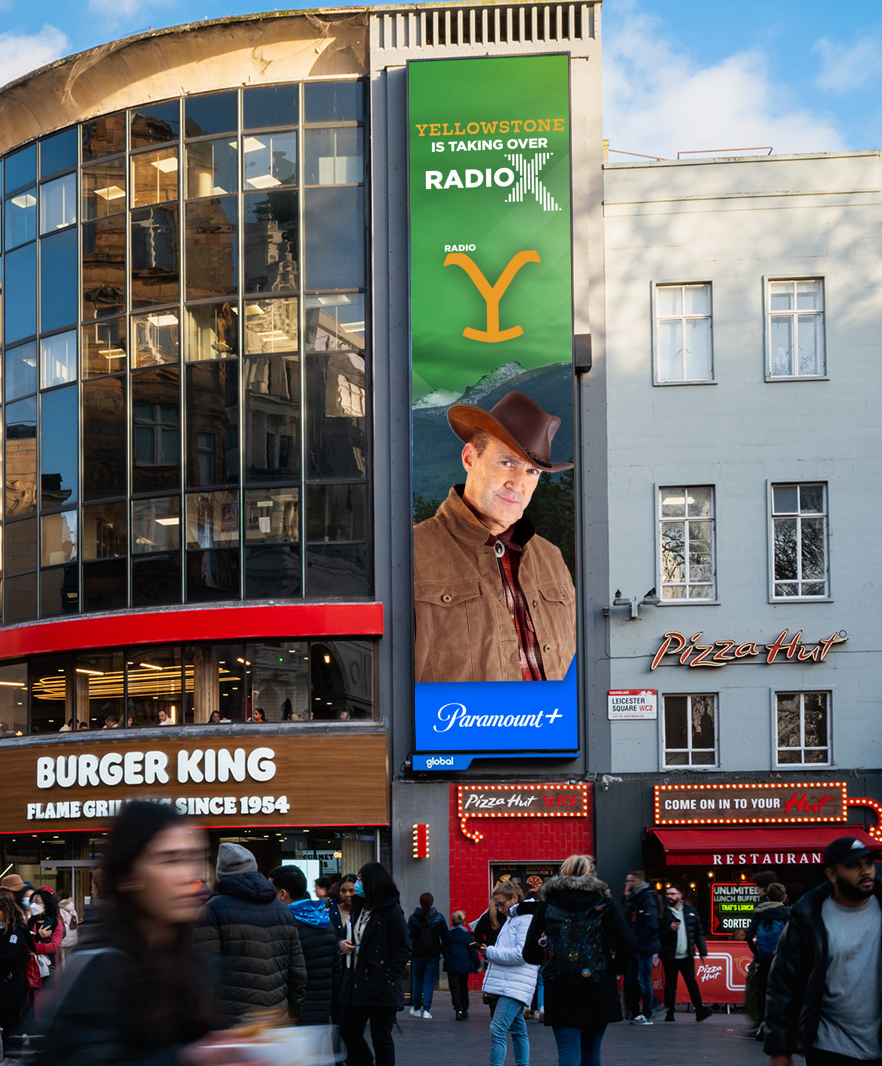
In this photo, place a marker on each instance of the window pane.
(810, 344)
(335, 415)
(155, 177)
(272, 515)
(104, 136)
(156, 525)
(814, 556)
(104, 531)
(21, 458)
(212, 332)
(703, 758)
(212, 168)
(271, 253)
(212, 519)
(104, 446)
(272, 419)
(104, 267)
(20, 168)
(59, 591)
(21, 218)
(333, 157)
(673, 552)
(670, 351)
(270, 160)
(59, 452)
(696, 299)
(677, 758)
(155, 338)
(104, 585)
(815, 704)
(811, 499)
(58, 203)
(673, 502)
(58, 538)
(271, 325)
(153, 683)
(337, 570)
(20, 294)
(699, 501)
(155, 256)
(273, 571)
(58, 152)
(669, 300)
(784, 499)
(104, 347)
(209, 114)
(21, 599)
(104, 189)
(271, 106)
(781, 296)
(213, 575)
(155, 124)
(58, 280)
(58, 359)
(156, 430)
(334, 238)
(336, 512)
(333, 101)
(788, 720)
(808, 296)
(335, 322)
(156, 579)
(700, 560)
(786, 562)
(212, 447)
(703, 726)
(20, 371)
(212, 247)
(21, 546)
(676, 735)
(782, 345)
(698, 349)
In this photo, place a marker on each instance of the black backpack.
(428, 941)
(574, 942)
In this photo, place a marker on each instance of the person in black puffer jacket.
(318, 940)
(581, 990)
(255, 936)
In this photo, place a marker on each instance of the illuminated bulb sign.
(519, 801)
(693, 651)
(421, 841)
(749, 804)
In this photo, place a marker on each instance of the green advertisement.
(490, 218)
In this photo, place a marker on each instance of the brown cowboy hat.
(517, 421)
(12, 883)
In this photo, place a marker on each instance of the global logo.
(439, 760)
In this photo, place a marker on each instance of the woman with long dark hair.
(14, 951)
(134, 991)
(47, 929)
(380, 947)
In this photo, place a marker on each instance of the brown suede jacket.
(464, 631)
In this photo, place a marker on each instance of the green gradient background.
(444, 300)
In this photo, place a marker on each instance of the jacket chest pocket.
(446, 596)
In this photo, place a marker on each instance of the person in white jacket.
(508, 977)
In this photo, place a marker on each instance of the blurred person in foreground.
(14, 950)
(134, 993)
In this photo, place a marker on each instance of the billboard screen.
(492, 389)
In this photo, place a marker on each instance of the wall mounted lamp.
(650, 599)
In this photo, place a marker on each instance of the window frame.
(776, 747)
(768, 283)
(774, 597)
(690, 766)
(657, 318)
(659, 548)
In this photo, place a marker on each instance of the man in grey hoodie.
(321, 952)
(256, 940)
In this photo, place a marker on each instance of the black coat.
(321, 954)
(798, 976)
(694, 933)
(574, 1002)
(642, 910)
(13, 964)
(377, 976)
(460, 953)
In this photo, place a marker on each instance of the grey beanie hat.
(234, 859)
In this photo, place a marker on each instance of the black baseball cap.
(849, 849)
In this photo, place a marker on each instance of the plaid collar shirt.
(508, 556)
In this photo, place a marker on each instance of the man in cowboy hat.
(494, 601)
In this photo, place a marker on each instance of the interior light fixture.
(24, 199)
(249, 144)
(150, 666)
(167, 521)
(112, 192)
(91, 673)
(262, 181)
(163, 320)
(165, 165)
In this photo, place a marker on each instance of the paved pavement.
(721, 1040)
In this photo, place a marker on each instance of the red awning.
(752, 846)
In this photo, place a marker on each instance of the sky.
(678, 75)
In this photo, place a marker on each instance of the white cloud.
(22, 53)
(844, 68)
(117, 11)
(658, 100)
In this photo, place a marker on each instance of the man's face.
(499, 484)
(673, 896)
(631, 883)
(853, 880)
(162, 716)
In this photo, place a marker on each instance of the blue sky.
(679, 75)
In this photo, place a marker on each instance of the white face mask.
(36, 908)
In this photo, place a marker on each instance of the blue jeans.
(578, 1047)
(644, 979)
(509, 1018)
(423, 971)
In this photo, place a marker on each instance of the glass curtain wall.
(184, 377)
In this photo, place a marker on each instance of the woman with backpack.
(581, 938)
(765, 929)
(427, 931)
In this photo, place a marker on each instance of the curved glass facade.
(185, 377)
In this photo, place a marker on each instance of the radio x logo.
(530, 182)
(492, 293)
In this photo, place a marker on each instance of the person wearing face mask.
(379, 947)
(47, 929)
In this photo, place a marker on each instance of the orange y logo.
(492, 293)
